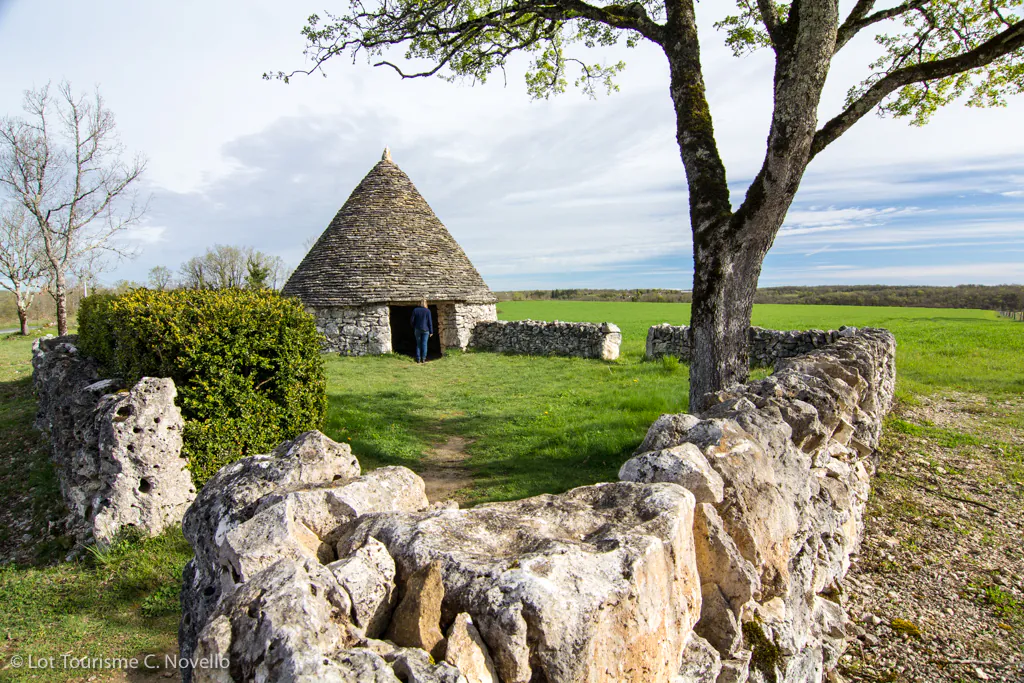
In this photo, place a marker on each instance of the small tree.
(257, 274)
(63, 163)
(22, 267)
(932, 53)
(161, 278)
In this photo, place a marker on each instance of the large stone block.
(595, 584)
(117, 452)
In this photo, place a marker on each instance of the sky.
(566, 192)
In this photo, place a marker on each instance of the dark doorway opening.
(403, 340)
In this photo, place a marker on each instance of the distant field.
(950, 348)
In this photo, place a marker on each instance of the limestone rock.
(667, 431)
(368, 575)
(284, 505)
(719, 560)
(117, 454)
(415, 666)
(626, 581)
(684, 465)
(467, 652)
(598, 583)
(701, 662)
(214, 651)
(736, 669)
(416, 621)
(282, 621)
(361, 666)
(718, 623)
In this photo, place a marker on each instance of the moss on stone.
(766, 657)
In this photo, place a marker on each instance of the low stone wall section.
(116, 451)
(719, 557)
(766, 346)
(538, 338)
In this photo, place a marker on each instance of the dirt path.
(937, 590)
(443, 470)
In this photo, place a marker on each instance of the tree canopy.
(933, 51)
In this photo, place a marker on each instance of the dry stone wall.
(720, 556)
(355, 330)
(117, 451)
(538, 338)
(793, 454)
(766, 346)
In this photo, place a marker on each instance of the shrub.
(247, 364)
(94, 335)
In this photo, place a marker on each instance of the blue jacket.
(421, 319)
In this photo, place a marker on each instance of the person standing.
(423, 328)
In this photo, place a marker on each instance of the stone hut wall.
(458, 320)
(355, 330)
(366, 330)
(720, 555)
(766, 346)
(117, 452)
(538, 338)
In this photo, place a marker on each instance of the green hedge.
(247, 364)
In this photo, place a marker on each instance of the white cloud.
(145, 234)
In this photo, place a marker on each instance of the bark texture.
(729, 247)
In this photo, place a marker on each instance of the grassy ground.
(522, 425)
(122, 602)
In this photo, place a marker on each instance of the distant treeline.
(1005, 298)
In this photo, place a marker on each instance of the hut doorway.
(403, 340)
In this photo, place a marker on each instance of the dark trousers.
(422, 336)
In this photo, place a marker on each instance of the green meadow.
(547, 424)
(528, 425)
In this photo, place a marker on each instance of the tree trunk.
(23, 318)
(60, 297)
(724, 284)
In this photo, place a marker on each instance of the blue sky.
(560, 193)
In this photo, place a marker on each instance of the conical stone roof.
(386, 244)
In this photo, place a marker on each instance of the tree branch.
(770, 20)
(859, 18)
(710, 205)
(499, 32)
(1008, 41)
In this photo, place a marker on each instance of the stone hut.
(385, 251)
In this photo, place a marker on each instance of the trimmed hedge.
(247, 364)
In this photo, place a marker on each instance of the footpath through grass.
(530, 425)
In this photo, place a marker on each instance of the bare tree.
(22, 267)
(161, 278)
(933, 52)
(63, 163)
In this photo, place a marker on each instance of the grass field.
(525, 425)
(939, 348)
